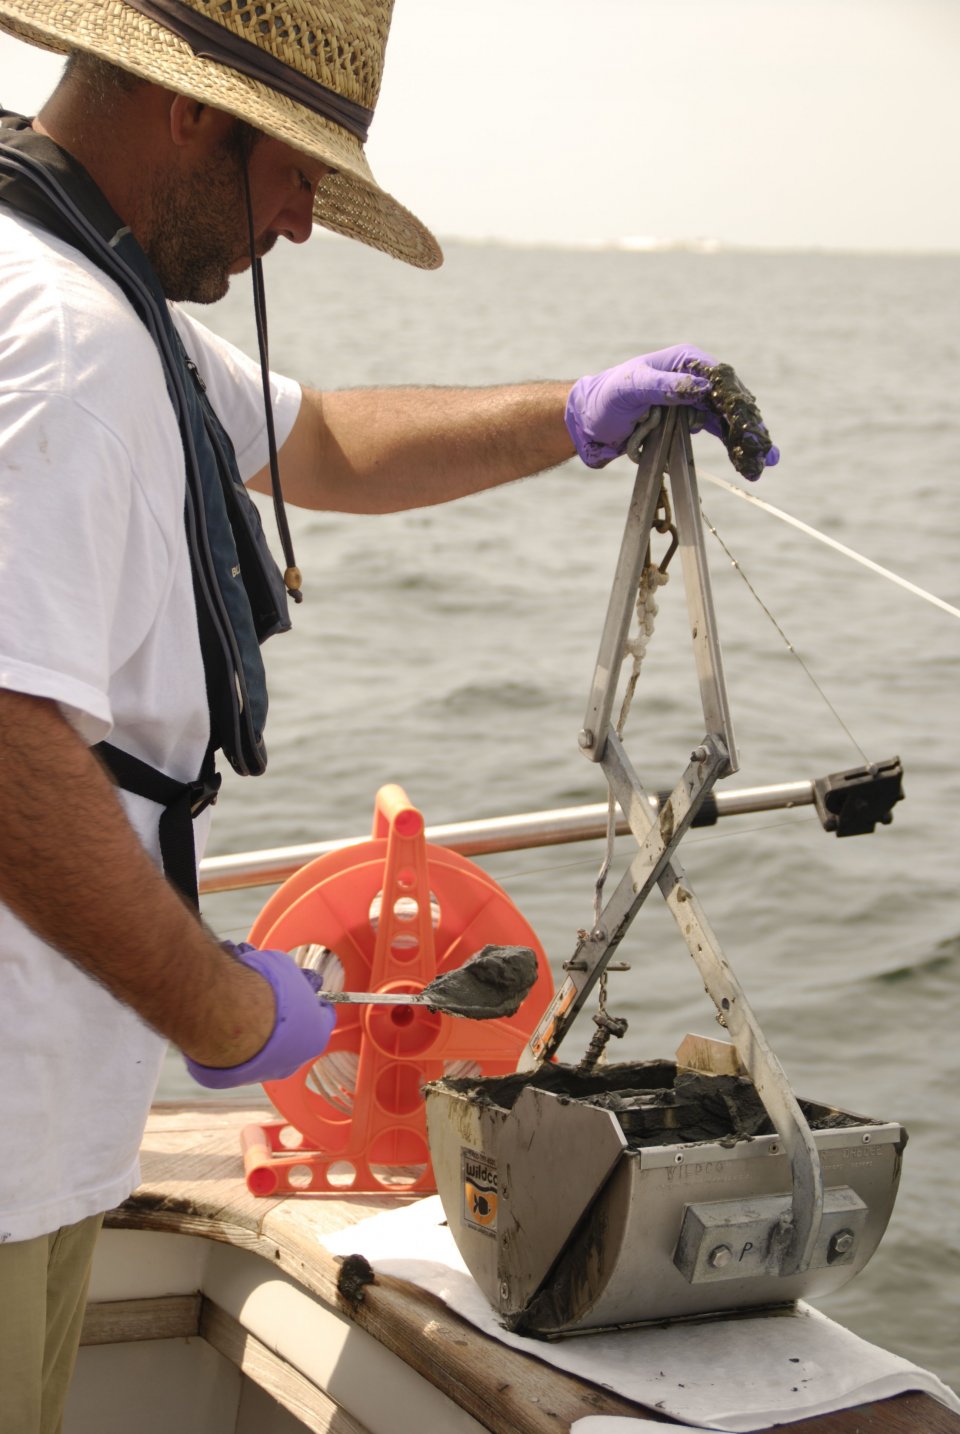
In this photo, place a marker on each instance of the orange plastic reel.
(395, 912)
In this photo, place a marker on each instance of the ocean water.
(452, 649)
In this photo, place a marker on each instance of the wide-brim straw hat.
(306, 72)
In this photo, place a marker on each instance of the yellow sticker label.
(479, 1191)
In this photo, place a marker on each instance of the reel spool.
(389, 914)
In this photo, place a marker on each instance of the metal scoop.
(493, 983)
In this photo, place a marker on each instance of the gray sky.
(772, 123)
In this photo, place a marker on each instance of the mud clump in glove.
(603, 410)
(742, 430)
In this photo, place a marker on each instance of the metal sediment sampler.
(593, 1196)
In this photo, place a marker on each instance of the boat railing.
(484, 837)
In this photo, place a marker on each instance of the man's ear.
(192, 122)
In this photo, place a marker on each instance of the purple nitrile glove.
(603, 409)
(301, 1029)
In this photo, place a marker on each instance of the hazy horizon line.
(644, 245)
(706, 247)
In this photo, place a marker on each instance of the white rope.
(635, 647)
(832, 543)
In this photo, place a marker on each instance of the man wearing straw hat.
(185, 138)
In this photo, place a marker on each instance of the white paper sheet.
(739, 1375)
(604, 1424)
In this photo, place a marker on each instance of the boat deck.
(193, 1186)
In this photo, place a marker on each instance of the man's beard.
(196, 229)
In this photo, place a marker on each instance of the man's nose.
(295, 221)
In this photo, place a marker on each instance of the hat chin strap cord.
(291, 577)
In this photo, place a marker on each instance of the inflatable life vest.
(224, 533)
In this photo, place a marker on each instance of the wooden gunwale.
(193, 1185)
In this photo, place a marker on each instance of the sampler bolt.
(842, 1242)
(699, 754)
(719, 1256)
(585, 738)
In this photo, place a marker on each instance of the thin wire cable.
(789, 645)
(832, 543)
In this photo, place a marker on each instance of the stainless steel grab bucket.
(573, 1211)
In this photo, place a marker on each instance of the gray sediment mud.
(492, 983)
(743, 431)
(655, 1102)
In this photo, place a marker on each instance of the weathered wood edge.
(160, 1317)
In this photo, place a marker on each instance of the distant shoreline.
(698, 248)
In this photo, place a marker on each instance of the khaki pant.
(43, 1290)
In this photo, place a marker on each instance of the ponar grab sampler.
(602, 1195)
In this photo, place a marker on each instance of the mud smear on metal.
(492, 983)
(568, 1286)
(655, 1102)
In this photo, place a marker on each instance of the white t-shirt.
(96, 612)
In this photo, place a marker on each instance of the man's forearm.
(73, 870)
(383, 450)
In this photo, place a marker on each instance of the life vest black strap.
(181, 802)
